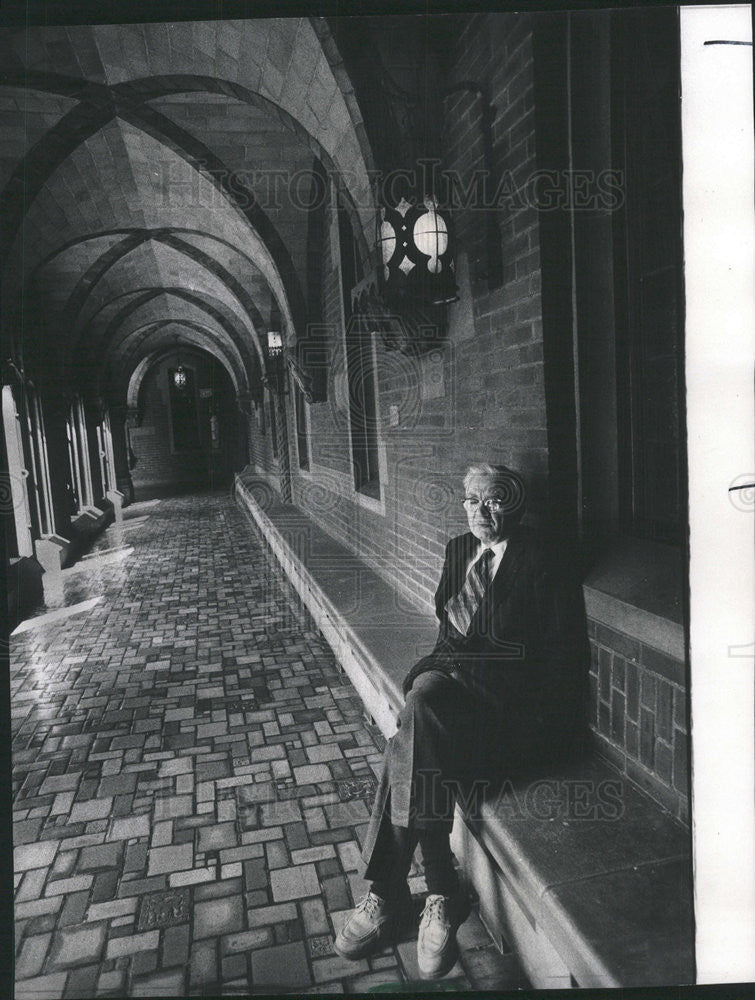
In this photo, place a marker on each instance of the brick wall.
(638, 706)
(500, 402)
(478, 396)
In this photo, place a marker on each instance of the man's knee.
(421, 692)
(430, 683)
(433, 694)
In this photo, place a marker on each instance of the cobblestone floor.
(192, 777)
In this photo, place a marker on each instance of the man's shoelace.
(435, 909)
(368, 904)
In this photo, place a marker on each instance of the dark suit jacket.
(526, 653)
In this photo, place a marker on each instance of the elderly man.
(500, 692)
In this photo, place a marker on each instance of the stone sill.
(91, 519)
(636, 587)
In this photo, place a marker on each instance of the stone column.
(56, 404)
(93, 416)
(284, 459)
(119, 415)
(244, 407)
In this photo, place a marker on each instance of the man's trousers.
(444, 747)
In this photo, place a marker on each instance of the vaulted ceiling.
(154, 183)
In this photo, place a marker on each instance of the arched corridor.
(300, 314)
(192, 778)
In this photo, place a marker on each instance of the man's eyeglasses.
(492, 504)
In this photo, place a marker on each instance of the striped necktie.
(462, 607)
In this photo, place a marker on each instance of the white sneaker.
(368, 927)
(436, 941)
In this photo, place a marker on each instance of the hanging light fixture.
(179, 375)
(274, 344)
(415, 245)
(273, 378)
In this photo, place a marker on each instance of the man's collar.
(497, 547)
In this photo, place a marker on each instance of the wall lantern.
(274, 344)
(415, 253)
(273, 379)
(179, 375)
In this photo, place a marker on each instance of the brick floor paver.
(191, 778)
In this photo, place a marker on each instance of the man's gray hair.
(510, 482)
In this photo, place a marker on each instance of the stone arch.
(137, 376)
(201, 335)
(330, 49)
(254, 357)
(132, 238)
(287, 289)
(139, 297)
(100, 104)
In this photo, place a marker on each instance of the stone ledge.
(635, 588)
(653, 631)
(357, 611)
(536, 873)
(601, 945)
(593, 830)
